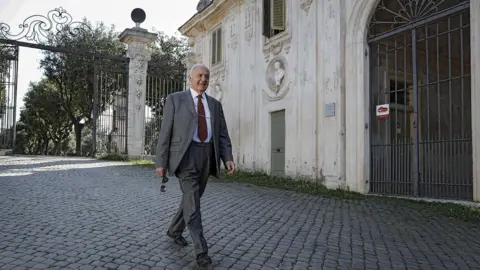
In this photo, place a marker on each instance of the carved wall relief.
(305, 4)
(217, 92)
(217, 74)
(231, 21)
(277, 79)
(217, 79)
(249, 13)
(139, 62)
(275, 47)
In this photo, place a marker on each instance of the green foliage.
(42, 120)
(113, 157)
(457, 211)
(294, 184)
(73, 75)
(168, 50)
(59, 110)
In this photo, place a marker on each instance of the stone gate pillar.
(475, 73)
(138, 41)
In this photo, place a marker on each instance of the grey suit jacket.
(178, 127)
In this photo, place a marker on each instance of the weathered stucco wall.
(312, 49)
(326, 57)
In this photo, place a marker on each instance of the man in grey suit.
(193, 139)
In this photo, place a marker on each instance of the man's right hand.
(160, 172)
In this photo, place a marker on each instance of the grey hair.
(197, 66)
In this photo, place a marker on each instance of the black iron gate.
(99, 90)
(421, 123)
(161, 81)
(8, 95)
(110, 111)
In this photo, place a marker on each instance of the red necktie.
(202, 121)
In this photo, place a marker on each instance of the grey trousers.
(192, 173)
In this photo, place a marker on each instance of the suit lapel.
(189, 100)
(211, 107)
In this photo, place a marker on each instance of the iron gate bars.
(8, 95)
(420, 66)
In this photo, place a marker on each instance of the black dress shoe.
(203, 260)
(178, 239)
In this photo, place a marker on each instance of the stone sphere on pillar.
(138, 16)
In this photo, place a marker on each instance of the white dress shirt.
(207, 116)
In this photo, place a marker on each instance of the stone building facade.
(303, 83)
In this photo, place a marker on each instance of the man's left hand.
(231, 168)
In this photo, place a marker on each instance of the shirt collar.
(195, 94)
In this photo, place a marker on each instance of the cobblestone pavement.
(71, 213)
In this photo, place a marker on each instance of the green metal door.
(278, 143)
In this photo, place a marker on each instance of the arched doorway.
(420, 74)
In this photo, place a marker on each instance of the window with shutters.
(274, 17)
(216, 50)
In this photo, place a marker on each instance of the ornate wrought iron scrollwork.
(391, 14)
(38, 28)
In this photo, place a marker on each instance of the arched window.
(392, 15)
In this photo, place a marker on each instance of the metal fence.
(421, 69)
(8, 94)
(161, 81)
(110, 110)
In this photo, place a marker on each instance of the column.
(138, 41)
(331, 94)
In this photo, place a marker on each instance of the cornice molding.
(208, 18)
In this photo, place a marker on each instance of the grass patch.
(452, 210)
(143, 163)
(293, 184)
(124, 158)
(448, 209)
(113, 157)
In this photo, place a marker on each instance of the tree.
(168, 51)
(73, 75)
(166, 75)
(44, 118)
(33, 139)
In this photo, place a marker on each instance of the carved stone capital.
(137, 36)
(191, 59)
(138, 61)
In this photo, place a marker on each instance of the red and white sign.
(383, 111)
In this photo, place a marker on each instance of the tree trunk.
(47, 142)
(78, 138)
(38, 146)
(56, 147)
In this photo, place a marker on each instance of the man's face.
(199, 79)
